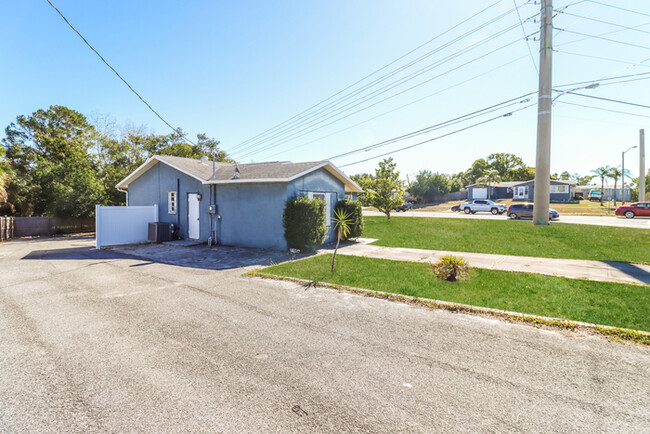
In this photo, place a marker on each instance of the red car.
(640, 209)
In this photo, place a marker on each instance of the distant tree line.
(55, 162)
(497, 167)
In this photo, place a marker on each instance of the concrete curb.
(615, 334)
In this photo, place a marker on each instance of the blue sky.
(235, 69)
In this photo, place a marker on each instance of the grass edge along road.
(518, 238)
(604, 303)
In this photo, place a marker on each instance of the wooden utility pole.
(544, 101)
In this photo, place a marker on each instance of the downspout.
(214, 234)
(178, 203)
(216, 208)
(127, 194)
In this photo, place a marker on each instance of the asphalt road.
(638, 222)
(98, 342)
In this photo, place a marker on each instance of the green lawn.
(603, 303)
(520, 238)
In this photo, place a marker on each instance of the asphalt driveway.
(104, 342)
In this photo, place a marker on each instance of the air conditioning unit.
(159, 232)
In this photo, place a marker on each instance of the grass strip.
(519, 238)
(604, 303)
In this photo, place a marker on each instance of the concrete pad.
(183, 243)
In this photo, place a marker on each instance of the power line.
(400, 107)
(118, 74)
(525, 36)
(364, 78)
(303, 116)
(605, 39)
(604, 109)
(609, 99)
(590, 36)
(439, 137)
(315, 118)
(599, 58)
(626, 81)
(645, 75)
(297, 134)
(619, 8)
(642, 75)
(476, 113)
(633, 28)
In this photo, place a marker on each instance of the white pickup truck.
(477, 205)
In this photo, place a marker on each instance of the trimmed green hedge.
(353, 208)
(304, 223)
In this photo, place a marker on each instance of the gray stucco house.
(238, 205)
(561, 191)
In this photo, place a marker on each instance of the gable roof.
(553, 182)
(275, 171)
(498, 184)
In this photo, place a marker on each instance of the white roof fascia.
(143, 168)
(132, 174)
(328, 165)
(248, 181)
(334, 170)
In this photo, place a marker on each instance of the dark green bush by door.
(304, 223)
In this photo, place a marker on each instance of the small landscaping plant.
(342, 227)
(304, 223)
(451, 268)
(353, 209)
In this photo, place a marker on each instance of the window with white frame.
(520, 192)
(558, 189)
(327, 198)
(171, 202)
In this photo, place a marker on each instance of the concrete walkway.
(621, 272)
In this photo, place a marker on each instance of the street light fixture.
(542, 198)
(623, 175)
(590, 86)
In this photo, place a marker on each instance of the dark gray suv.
(525, 210)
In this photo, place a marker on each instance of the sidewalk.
(621, 272)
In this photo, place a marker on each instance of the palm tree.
(489, 176)
(603, 172)
(615, 173)
(342, 223)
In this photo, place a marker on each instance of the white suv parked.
(482, 205)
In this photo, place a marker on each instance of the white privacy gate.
(115, 225)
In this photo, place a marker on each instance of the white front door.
(193, 216)
(521, 192)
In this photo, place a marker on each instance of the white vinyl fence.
(117, 225)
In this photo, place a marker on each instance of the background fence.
(6, 228)
(117, 225)
(45, 226)
(456, 195)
